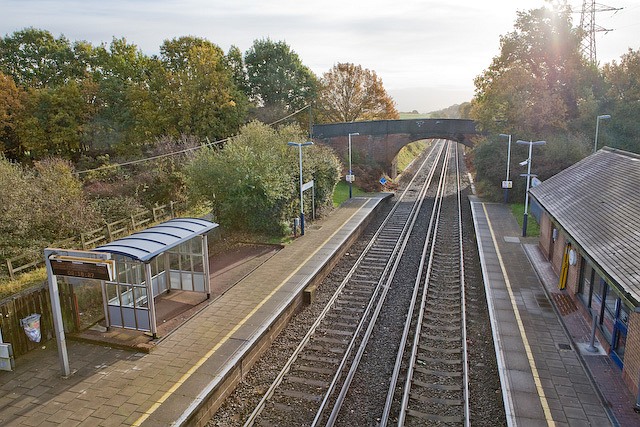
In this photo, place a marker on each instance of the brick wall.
(631, 370)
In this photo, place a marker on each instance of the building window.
(584, 284)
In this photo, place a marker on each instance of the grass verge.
(533, 229)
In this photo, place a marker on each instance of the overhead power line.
(186, 150)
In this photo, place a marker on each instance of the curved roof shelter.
(169, 256)
(145, 245)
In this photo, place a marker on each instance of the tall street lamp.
(528, 175)
(507, 184)
(601, 117)
(350, 176)
(300, 145)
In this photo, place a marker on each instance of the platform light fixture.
(528, 175)
(598, 118)
(350, 171)
(300, 145)
(507, 182)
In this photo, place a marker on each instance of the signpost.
(85, 264)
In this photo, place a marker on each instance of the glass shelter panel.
(187, 266)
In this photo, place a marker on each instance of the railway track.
(314, 385)
(436, 373)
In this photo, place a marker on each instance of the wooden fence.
(92, 238)
(35, 301)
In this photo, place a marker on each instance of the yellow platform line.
(523, 334)
(210, 353)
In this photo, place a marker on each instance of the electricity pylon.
(589, 27)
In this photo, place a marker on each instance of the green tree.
(622, 101)
(53, 120)
(121, 72)
(351, 93)
(199, 95)
(278, 81)
(34, 58)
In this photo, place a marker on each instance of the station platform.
(187, 372)
(547, 376)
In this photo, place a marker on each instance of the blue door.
(619, 337)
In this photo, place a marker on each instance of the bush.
(41, 205)
(252, 184)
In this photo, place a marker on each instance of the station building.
(590, 232)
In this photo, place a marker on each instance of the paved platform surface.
(548, 376)
(111, 387)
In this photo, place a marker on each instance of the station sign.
(350, 178)
(307, 185)
(507, 184)
(86, 268)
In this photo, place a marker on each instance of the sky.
(426, 52)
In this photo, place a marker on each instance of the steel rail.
(428, 244)
(355, 363)
(253, 417)
(463, 332)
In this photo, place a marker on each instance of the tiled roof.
(597, 202)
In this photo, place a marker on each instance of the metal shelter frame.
(172, 255)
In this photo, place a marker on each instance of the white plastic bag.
(31, 325)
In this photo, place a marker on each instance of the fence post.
(10, 265)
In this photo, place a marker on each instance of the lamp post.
(601, 117)
(350, 171)
(528, 175)
(506, 182)
(300, 145)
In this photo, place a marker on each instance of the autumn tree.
(351, 93)
(535, 85)
(11, 104)
(277, 80)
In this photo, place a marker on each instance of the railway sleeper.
(323, 349)
(343, 308)
(438, 338)
(434, 417)
(447, 327)
(323, 359)
(431, 360)
(309, 397)
(437, 387)
(438, 373)
(358, 290)
(438, 296)
(444, 312)
(435, 350)
(309, 382)
(436, 401)
(339, 332)
(315, 369)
